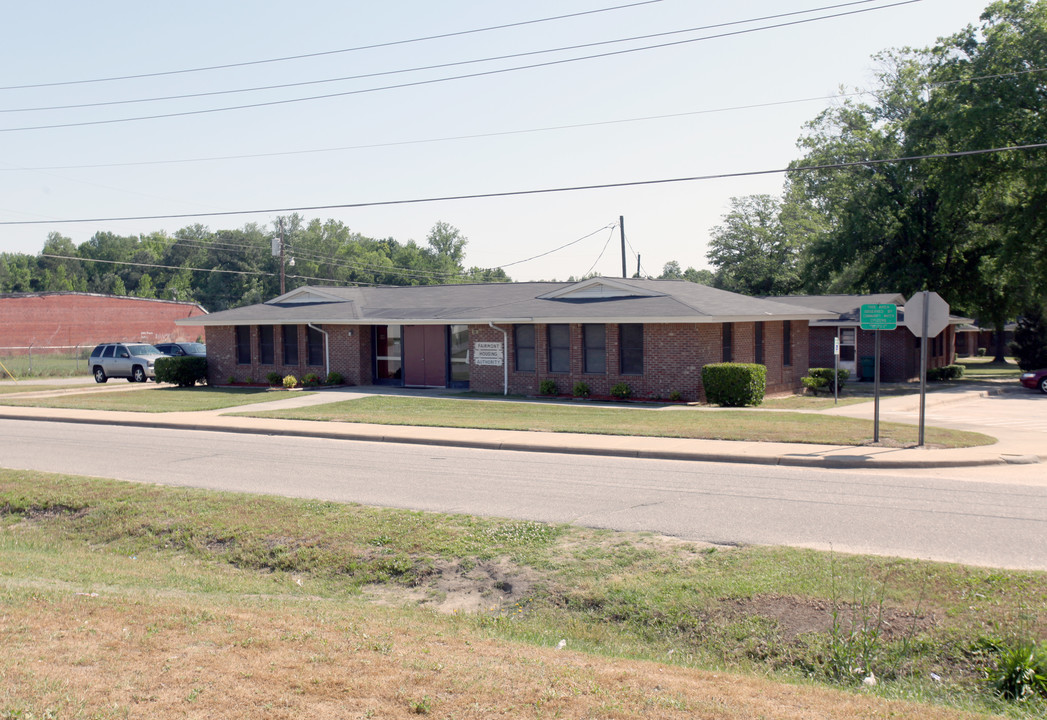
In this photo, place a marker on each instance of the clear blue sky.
(393, 144)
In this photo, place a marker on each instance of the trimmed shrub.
(734, 384)
(310, 380)
(818, 379)
(622, 391)
(274, 379)
(676, 396)
(335, 378)
(581, 390)
(948, 372)
(548, 387)
(290, 381)
(181, 371)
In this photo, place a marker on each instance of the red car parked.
(1036, 380)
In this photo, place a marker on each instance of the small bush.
(734, 384)
(310, 380)
(1021, 671)
(676, 396)
(274, 379)
(821, 379)
(290, 381)
(581, 390)
(230, 380)
(548, 387)
(335, 378)
(948, 372)
(814, 384)
(181, 371)
(622, 391)
(980, 352)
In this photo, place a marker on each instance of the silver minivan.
(133, 361)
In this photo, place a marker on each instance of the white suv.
(133, 361)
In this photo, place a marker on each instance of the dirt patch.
(454, 586)
(798, 616)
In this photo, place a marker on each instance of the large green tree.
(754, 251)
(970, 226)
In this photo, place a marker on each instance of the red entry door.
(425, 356)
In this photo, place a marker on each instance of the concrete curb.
(476, 441)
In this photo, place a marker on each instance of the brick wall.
(899, 351)
(673, 358)
(349, 348)
(69, 319)
(674, 355)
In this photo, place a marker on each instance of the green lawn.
(7, 388)
(153, 400)
(677, 422)
(977, 368)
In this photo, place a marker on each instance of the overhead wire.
(303, 56)
(502, 133)
(600, 256)
(438, 66)
(419, 83)
(542, 191)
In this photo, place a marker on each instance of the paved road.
(986, 523)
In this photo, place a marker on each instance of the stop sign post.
(926, 315)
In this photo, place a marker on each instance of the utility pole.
(621, 228)
(283, 283)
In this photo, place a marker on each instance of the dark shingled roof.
(594, 300)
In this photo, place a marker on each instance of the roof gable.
(598, 288)
(305, 294)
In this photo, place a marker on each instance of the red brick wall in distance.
(65, 320)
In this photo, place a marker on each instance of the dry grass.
(115, 655)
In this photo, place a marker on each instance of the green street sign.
(879, 316)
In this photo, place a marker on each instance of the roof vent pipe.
(505, 357)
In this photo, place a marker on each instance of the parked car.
(1036, 380)
(181, 349)
(133, 361)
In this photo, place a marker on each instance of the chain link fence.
(19, 361)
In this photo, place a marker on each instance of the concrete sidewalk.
(1014, 449)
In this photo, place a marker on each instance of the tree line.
(221, 269)
(882, 200)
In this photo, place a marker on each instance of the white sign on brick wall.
(488, 353)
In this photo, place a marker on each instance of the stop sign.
(937, 314)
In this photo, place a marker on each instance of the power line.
(503, 133)
(375, 46)
(600, 256)
(419, 83)
(193, 269)
(439, 66)
(449, 138)
(541, 191)
(550, 252)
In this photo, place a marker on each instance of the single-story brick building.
(899, 348)
(59, 322)
(654, 335)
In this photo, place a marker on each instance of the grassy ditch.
(677, 422)
(119, 599)
(151, 399)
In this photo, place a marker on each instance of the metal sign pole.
(923, 366)
(836, 368)
(876, 392)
